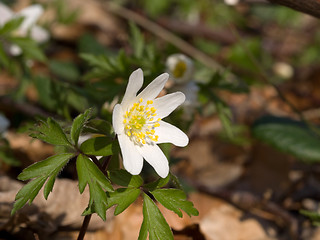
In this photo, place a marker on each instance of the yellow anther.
(140, 100)
(129, 133)
(125, 121)
(152, 131)
(159, 119)
(156, 124)
(151, 119)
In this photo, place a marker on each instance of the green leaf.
(174, 200)
(99, 126)
(125, 179)
(153, 222)
(29, 48)
(28, 193)
(78, 124)
(41, 171)
(46, 167)
(314, 216)
(65, 70)
(50, 132)
(289, 136)
(161, 182)
(122, 197)
(137, 40)
(11, 25)
(89, 173)
(99, 146)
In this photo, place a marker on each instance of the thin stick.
(84, 227)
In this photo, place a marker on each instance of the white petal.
(14, 50)
(170, 134)
(5, 14)
(155, 157)
(132, 159)
(117, 119)
(166, 104)
(154, 88)
(31, 15)
(39, 34)
(134, 85)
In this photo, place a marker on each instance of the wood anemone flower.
(138, 123)
(31, 15)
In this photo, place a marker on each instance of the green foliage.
(77, 126)
(174, 200)
(122, 197)
(89, 173)
(40, 171)
(65, 70)
(11, 25)
(289, 136)
(50, 132)
(153, 222)
(314, 216)
(125, 179)
(99, 126)
(99, 146)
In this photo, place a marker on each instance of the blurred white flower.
(31, 14)
(283, 70)
(180, 68)
(137, 122)
(4, 124)
(231, 2)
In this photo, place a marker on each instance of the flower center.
(179, 69)
(139, 123)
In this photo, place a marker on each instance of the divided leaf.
(289, 136)
(41, 171)
(89, 173)
(50, 132)
(78, 124)
(99, 146)
(153, 222)
(174, 200)
(125, 179)
(122, 197)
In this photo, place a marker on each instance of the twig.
(163, 33)
(84, 227)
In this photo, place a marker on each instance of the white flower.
(180, 68)
(31, 14)
(137, 122)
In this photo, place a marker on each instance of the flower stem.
(84, 227)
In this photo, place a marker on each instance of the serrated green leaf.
(289, 136)
(41, 171)
(125, 179)
(153, 222)
(28, 193)
(89, 173)
(122, 197)
(50, 132)
(49, 186)
(174, 200)
(99, 146)
(46, 167)
(78, 124)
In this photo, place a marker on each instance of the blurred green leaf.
(314, 216)
(11, 25)
(29, 47)
(153, 222)
(289, 136)
(65, 70)
(89, 173)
